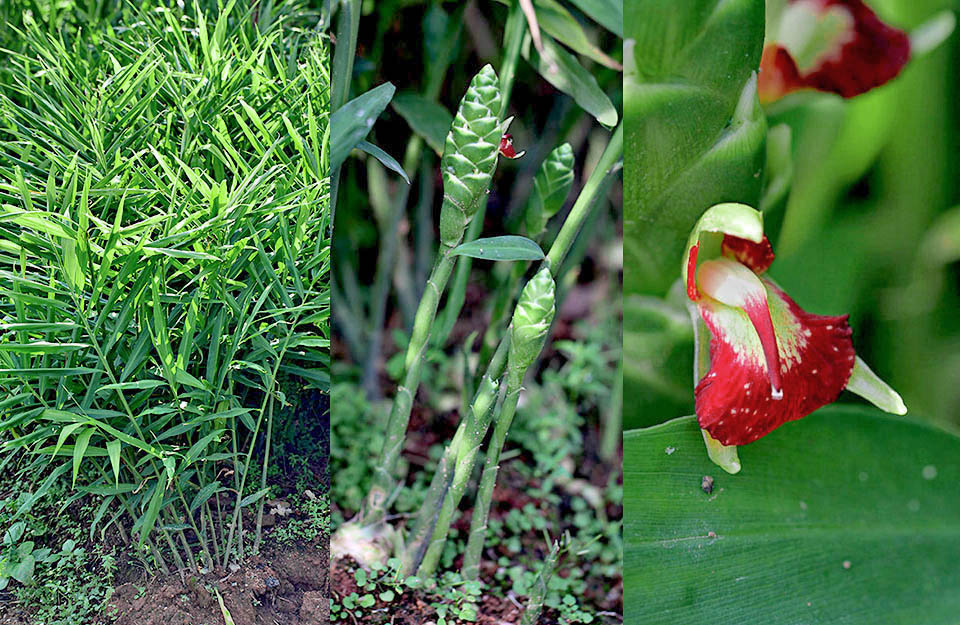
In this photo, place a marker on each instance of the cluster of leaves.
(452, 598)
(315, 521)
(164, 231)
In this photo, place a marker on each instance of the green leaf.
(828, 518)
(350, 124)
(198, 448)
(65, 432)
(150, 518)
(35, 221)
(694, 129)
(39, 326)
(41, 347)
(47, 372)
(76, 278)
(554, 19)
(22, 571)
(388, 161)
(562, 70)
(607, 13)
(426, 117)
(204, 494)
(316, 377)
(500, 248)
(79, 449)
(139, 385)
(113, 450)
(227, 618)
(249, 499)
(170, 465)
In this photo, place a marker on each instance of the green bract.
(470, 155)
(550, 188)
(531, 320)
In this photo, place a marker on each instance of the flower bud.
(470, 155)
(531, 321)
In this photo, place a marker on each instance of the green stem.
(481, 511)
(558, 251)
(458, 292)
(263, 477)
(531, 614)
(425, 542)
(613, 424)
(384, 480)
(268, 392)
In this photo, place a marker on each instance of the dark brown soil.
(283, 586)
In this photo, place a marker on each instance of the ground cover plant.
(451, 339)
(164, 302)
(776, 159)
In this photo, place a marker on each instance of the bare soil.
(283, 586)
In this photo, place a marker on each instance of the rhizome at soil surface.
(284, 586)
(287, 584)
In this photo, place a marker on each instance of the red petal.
(778, 74)
(871, 54)
(734, 402)
(506, 146)
(692, 292)
(756, 256)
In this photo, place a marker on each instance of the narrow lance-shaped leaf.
(500, 248)
(350, 124)
(427, 118)
(562, 70)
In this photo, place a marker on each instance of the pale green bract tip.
(868, 385)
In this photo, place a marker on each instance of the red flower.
(840, 46)
(770, 361)
(506, 147)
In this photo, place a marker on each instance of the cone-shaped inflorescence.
(470, 155)
(531, 324)
(469, 159)
(550, 189)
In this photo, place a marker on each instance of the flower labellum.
(838, 46)
(506, 147)
(770, 361)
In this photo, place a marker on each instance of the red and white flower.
(770, 361)
(839, 46)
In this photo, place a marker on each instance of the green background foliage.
(868, 228)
